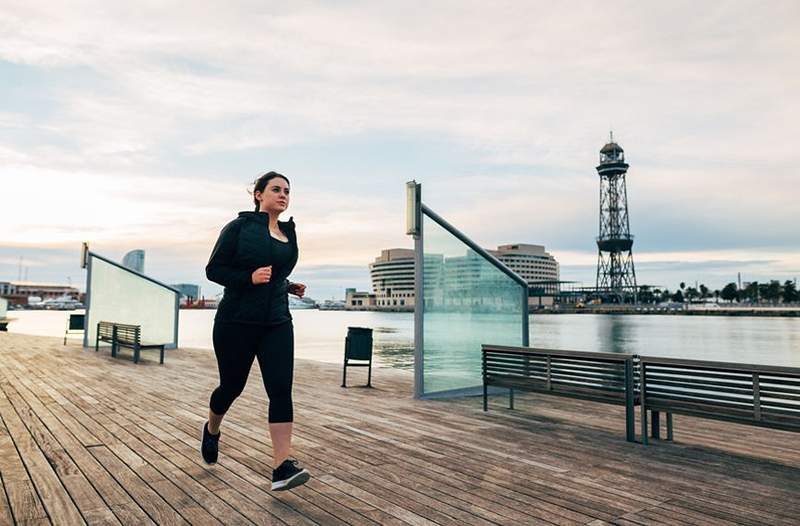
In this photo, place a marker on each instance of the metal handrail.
(474, 246)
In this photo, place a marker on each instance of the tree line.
(754, 292)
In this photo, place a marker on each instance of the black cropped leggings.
(236, 345)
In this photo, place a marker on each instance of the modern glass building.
(392, 273)
(392, 276)
(134, 260)
(532, 264)
(189, 293)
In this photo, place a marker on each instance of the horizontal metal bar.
(122, 267)
(575, 365)
(558, 387)
(699, 387)
(766, 404)
(474, 246)
(697, 382)
(675, 373)
(772, 380)
(599, 356)
(722, 366)
(697, 397)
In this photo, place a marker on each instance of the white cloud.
(704, 101)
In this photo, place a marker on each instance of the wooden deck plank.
(377, 455)
(257, 468)
(359, 452)
(351, 519)
(154, 505)
(149, 474)
(50, 489)
(23, 501)
(282, 510)
(117, 499)
(5, 506)
(84, 495)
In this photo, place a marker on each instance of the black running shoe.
(209, 445)
(289, 475)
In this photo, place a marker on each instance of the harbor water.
(319, 335)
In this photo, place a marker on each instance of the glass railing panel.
(118, 295)
(468, 301)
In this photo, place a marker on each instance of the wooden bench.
(124, 335)
(758, 395)
(600, 377)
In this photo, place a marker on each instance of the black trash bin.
(358, 346)
(76, 322)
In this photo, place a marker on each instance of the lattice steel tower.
(616, 277)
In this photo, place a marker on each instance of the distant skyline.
(129, 127)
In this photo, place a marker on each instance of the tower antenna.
(616, 276)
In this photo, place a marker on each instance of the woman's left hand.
(298, 289)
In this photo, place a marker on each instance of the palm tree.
(751, 291)
(703, 291)
(730, 292)
(790, 294)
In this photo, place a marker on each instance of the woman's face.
(275, 197)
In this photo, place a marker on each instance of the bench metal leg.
(369, 373)
(162, 356)
(485, 397)
(630, 408)
(656, 426)
(669, 426)
(511, 399)
(630, 425)
(644, 424)
(136, 354)
(344, 374)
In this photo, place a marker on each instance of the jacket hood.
(263, 217)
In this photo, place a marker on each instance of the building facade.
(134, 260)
(18, 292)
(536, 266)
(189, 293)
(392, 275)
(359, 300)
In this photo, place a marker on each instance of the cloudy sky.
(140, 125)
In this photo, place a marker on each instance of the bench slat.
(699, 395)
(699, 386)
(601, 377)
(555, 373)
(599, 356)
(765, 396)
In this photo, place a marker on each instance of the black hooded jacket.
(243, 246)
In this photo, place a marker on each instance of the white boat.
(302, 303)
(331, 305)
(60, 303)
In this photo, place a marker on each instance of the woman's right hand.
(262, 275)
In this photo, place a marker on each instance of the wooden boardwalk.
(87, 438)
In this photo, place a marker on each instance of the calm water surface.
(320, 334)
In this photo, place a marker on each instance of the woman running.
(253, 257)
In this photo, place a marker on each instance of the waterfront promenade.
(85, 437)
